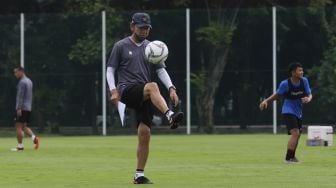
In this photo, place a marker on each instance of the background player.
(295, 90)
(135, 88)
(24, 99)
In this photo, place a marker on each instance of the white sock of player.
(139, 173)
(20, 146)
(33, 137)
(168, 114)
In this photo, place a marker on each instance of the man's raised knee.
(152, 86)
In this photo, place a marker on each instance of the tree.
(216, 38)
(87, 50)
(63, 54)
(9, 58)
(324, 75)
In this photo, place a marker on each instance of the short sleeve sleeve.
(115, 56)
(283, 88)
(307, 86)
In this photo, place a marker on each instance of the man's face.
(17, 73)
(140, 33)
(298, 72)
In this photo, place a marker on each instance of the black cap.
(141, 19)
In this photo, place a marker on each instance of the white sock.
(20, 146)
(168, 114)
(33, 137)
(139, 174)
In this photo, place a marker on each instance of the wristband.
(172, 87)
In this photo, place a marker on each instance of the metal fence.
(63, 55)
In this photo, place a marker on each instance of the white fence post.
(104, 72)
(188, 111)
(22, 40)
(274, 70)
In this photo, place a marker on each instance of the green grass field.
(175, 161)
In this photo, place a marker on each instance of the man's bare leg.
(19, 129)
(143, 145)
(142, 153)
(19, 136)
(30, 133)
(292, 143)
(152, 92)
(27, 130)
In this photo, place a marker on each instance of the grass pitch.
(175, 161)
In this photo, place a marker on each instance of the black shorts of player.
(133, 98)
(24, 118)
(292, 122)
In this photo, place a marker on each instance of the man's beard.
(139, 38)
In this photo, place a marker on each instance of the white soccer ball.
(156, 52)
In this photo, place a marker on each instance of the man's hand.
(115, 96)
(263, 105)
(19, 112)
(306, 99)
(173, 96)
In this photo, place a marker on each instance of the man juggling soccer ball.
(296, 91)
(135, 88)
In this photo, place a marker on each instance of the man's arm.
(282, 89)
(112, 66)
(165, 79)
(307, 99)
(19, 97)
(263, 105)
(111, 82)
(110, 77)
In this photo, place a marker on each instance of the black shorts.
(292, 122)
(133, 98)
(24, 118)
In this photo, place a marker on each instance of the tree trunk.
(204, 110)
(205, 101)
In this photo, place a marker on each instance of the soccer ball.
(156, 52)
